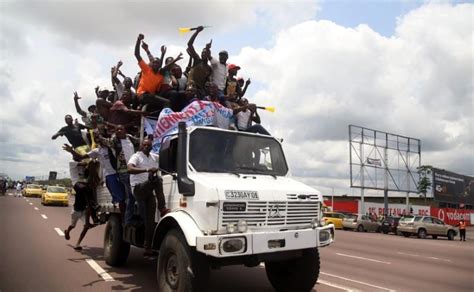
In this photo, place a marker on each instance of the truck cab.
(233, 203)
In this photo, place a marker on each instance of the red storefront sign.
(452, 216)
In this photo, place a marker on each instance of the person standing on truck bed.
(73, 134)
(120, 149)
(143, 167)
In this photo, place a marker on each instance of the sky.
(404, 67)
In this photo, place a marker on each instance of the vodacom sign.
(441, 214)
(452, 216)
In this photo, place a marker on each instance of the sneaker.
(66, 234)
(164, 211)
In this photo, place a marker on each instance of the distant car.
(360, 223)
(333, 218)
(32, 190)
(423, 226)
(55, 195)
(389, 224)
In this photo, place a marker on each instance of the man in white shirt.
(143, 166)
(219, 70)
(245, 114)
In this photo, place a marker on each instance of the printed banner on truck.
(197, 113)
(451, 187)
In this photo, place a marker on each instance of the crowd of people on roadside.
(105, 147)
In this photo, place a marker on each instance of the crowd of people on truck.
(105, 146)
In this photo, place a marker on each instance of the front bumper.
(56, 201)
(263, 242)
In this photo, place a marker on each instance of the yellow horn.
(270, 109)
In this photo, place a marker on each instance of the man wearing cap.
(232, 88)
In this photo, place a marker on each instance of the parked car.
(423, 226)
(32, 190)
(55, 195)
(389, 224)
(334, 218)
(359, 222)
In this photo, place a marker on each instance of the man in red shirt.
(151, 79)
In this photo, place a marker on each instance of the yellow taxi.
(32, 190)
(55, 195)
(334, 218)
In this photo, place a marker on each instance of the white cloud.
(319, 75)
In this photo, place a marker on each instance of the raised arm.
(137, 47)
(146, 49)
(75, 155)
(115, 71)
(247, 83)
(191, 50)
(78, 107)
(179, 57)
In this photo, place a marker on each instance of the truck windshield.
(236, 152)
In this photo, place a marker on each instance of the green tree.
(424, 181)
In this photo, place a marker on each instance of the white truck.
(232, 203)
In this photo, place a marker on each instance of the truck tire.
(179, 267)
(116, 250)
(300, 274)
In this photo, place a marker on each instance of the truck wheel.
(300, 274)
(360, 228)
(116, 250)
(422, 233)
(450, 235)
(179, 267)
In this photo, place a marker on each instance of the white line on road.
(417, 255)
(27, 200)
(365, 259)
(36, 208)
(337, 286)
(31, 204)
(99, 270)
(59, 231)
(359, 282)
(44, 216)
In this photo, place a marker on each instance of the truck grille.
(276, 213)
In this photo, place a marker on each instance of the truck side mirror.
(168, 153)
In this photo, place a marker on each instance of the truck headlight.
(314, 223)
(242, 226)
(230, 228)
(233, 245)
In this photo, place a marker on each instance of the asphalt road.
(36, 257)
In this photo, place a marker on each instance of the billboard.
(450, 187)
(383, 161)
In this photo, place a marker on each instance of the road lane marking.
(362, 258)
(59, 231)
(31, 204)
(358, 282)
(337, 286)
(36, 208)
(416, 255)
(95, 266)
(44, 216)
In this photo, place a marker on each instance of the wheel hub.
(172, 274)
